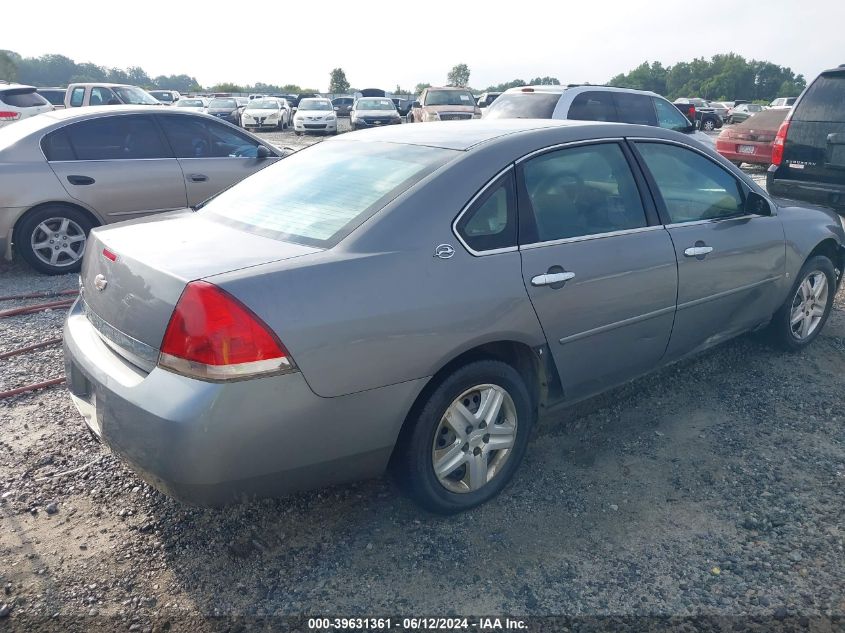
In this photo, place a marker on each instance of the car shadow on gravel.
(670, 495)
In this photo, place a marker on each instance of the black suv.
(808, 156)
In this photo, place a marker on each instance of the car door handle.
(80, 180)
(698, 251)
(549, 279)
(198, 177)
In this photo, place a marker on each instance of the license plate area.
(745, 149)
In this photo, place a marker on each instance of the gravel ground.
(715, 486)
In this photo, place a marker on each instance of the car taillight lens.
(9, 116)
(779, 142)
(213, 336)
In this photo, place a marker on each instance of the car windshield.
(319, 195)
(523, 105)
(189, 103)
(223, 104)
(449, 98)
(263, 104)
(315, 104)
(374, 104)
(161, 95)
(134, 96)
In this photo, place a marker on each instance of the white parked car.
(20, 102)
(783, 102)
(265, 113)
(192, 104)
(167, 97)
(315, 115)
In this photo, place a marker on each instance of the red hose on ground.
(39, 295)
(32, 387)
(65, 303)
(29, 348)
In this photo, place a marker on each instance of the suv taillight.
(9, 116)
(213, 336)
(779, 142)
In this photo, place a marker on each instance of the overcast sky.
(382, 43)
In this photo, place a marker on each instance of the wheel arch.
(834, 251)
(95, 219)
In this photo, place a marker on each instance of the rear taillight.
(9, 116)
(213, 336)
(779, 142)
(691, 113)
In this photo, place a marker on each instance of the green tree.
(459, 75)
(420, 87)
(8, 67)
(227, 86)
(338, 82)
(544, 81)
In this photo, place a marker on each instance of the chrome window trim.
(747, 216)
(592, 236)
(551, 148)
(468, 205)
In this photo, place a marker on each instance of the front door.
(601, 277)
(731, 263)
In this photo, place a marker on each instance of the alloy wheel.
(58, 241)
(809, 305)
(474, 438)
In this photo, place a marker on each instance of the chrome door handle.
(698, 251)
(549, 279)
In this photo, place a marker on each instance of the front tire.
(467, 439)
(52, 239)
(802, 316)
(708, 125)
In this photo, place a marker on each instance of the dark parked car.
(56, 96)
(382, 299)
(226, 108)
(751, 141)
(700, 112)
(486, 98)
(808, 161)
(403, 106)
(342, 105)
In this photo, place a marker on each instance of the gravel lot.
(715, 486)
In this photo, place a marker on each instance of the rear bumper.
(213, 443)
(762, 152)
(825, 194)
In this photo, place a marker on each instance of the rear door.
(599, 270)
(119, 166)
(730, 262)
(213, 156)
(815, 142)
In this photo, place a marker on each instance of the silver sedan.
(413, 296)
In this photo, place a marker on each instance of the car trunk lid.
(134, 273)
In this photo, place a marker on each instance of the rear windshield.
(523, 105)
(319, 195)
(449, 98)
(22, 98)
(824, 100)
(766, 120)
(223, 103)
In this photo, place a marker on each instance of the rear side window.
(56, 146)
(491, 221)
(693, 188)
(634, 108)
(319, 195)
(77, 97)
(581, 191)
(523, 105)
(22, 98)
(824, 100)
(593, 106)
(117, 138)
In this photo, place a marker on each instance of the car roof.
(463, 135)
(15, 86)
(102, 83)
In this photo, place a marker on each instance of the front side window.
(693, 187)
(491, 221)
(669, 117)
(634, 108)
(523, 105)
(116, 138)
(581, 191)
(101, 96)
(77, 97)
(593, 106)
(195, 137)
(319, 195)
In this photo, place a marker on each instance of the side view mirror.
(689, 129)
(416, 104)
(757, 204)
(263, 152)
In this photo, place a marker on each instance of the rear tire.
(476, 471)
(52, 239)
(803, 314)
(708, 125)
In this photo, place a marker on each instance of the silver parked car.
(67, 171)
(382, 298)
